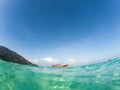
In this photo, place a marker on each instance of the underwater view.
(99, 76)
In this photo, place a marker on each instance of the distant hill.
(11, 56)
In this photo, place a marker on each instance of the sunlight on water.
(101, 76)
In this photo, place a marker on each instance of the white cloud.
(36, 61)
(50, 60)
(71, 61)
(47, 61)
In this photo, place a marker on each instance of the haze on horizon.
(81, 31)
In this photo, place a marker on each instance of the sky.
(80, 31)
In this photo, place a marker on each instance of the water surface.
(100, 76)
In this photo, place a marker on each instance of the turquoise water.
(100, 76)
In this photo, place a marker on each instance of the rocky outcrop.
(11, 56)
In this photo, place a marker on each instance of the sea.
(98, 76)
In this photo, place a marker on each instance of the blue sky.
(84, 30)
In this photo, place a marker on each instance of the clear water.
(101, 76)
